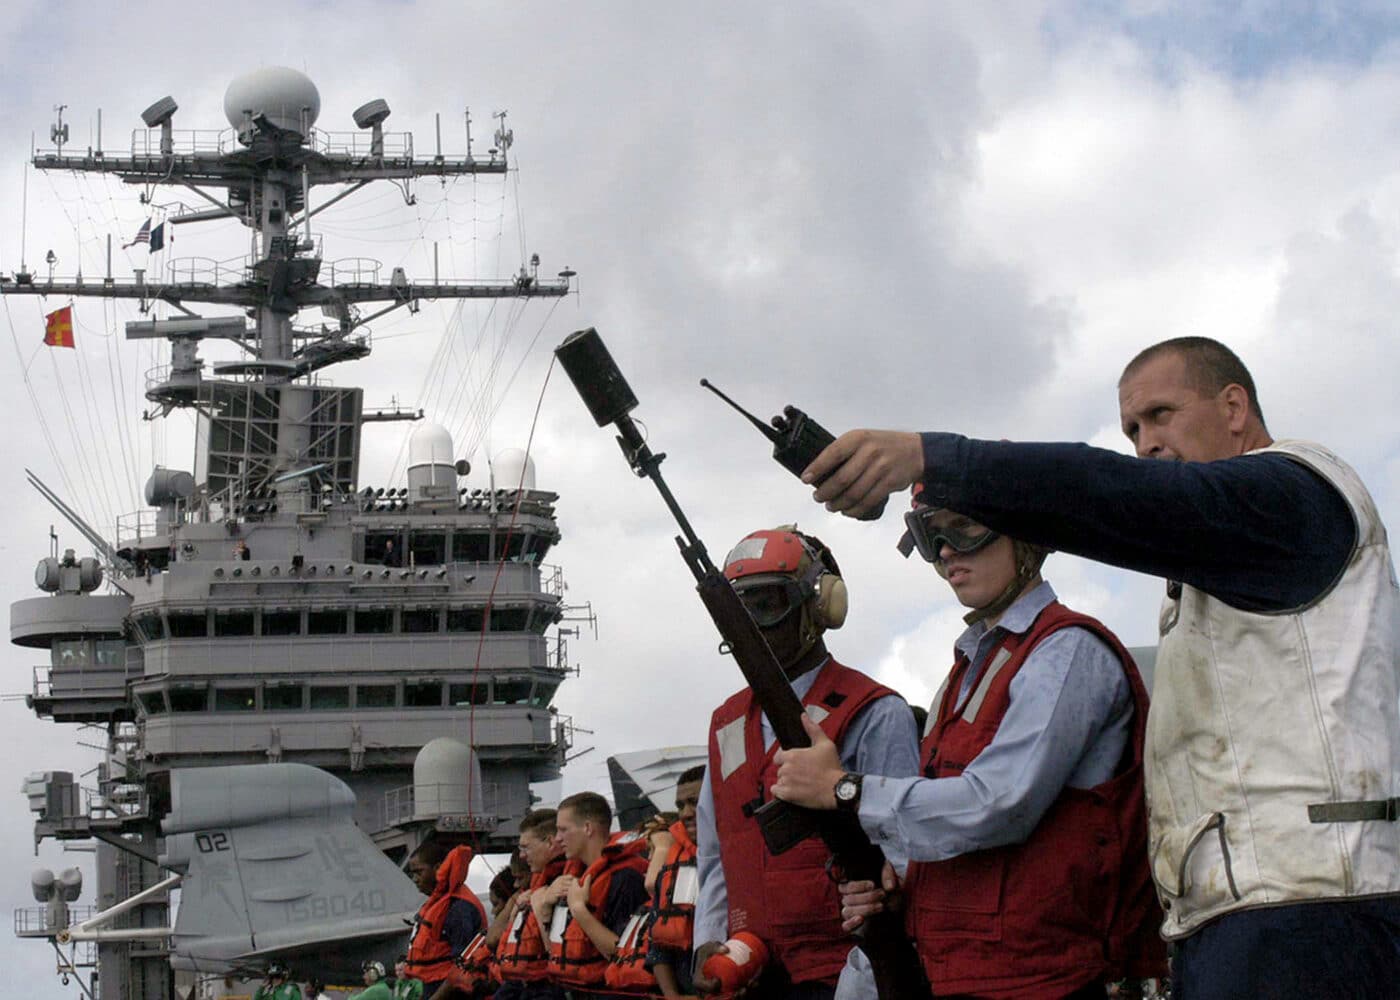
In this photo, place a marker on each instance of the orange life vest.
(430, 957)
(628, 969)
(474, 967)
(573, 960)
(677, 887)
(521, 955)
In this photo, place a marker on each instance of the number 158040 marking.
(338, 905)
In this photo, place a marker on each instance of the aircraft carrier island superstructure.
(267, 608)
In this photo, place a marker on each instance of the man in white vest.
(1273, 756)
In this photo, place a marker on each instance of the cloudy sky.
(929, 216)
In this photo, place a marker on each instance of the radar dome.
(430, 461)
(446, 780)
(513, 469)
(277, 92)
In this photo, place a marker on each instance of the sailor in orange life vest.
(674, 883)
(1027, 834)
(792, 587)
(585, 909)
(450, 918)
(521, 955)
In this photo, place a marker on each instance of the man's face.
(1164, 417)
(424, 875)
(535, 850)
(401, 969)
(977, 578)
(687, 800)
(570, 834)
(770, 604)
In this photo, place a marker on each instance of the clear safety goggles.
(769, 603)
(929, 538)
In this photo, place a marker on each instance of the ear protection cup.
(830, 601)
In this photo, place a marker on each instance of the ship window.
(375, 548)
(429, 548)
(72, 653)
(374, 696)
(235, 699)
(374, 621)
(420, 620)
(470, 547)
(323, 698)
(422, 694)
(110, 653)
(282, 697)
(512, 690)
(509, 619)
(327, 622)
(151, 627)
(281, 623)
(188, 625)
(544, 694)
(466, 694)
(231, 623)
(189, 699)
(464, 619)
(153, 702)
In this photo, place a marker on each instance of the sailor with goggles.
(1026, 831)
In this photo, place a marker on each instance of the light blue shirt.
(881, 739)
(1068, 723)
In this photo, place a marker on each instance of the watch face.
(846, 789)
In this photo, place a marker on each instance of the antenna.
(58, 133)
(767, 431)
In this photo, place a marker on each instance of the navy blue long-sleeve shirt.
(1260, 532)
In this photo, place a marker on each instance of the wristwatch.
(847, 792)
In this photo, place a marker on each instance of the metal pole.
(126, 904)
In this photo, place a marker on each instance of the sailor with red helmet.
(1027, 833)
(793, 589)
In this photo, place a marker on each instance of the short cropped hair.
(589, 807)
(540, 822)
(431, 852)
(696, 773)
(1210, 367)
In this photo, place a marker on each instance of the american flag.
(143, 235)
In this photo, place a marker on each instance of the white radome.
(278, 92)
(512, 469)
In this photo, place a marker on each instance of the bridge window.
(329, 698)
(189, 699)
(233, 623)
(188, 625)
(282, 697)
(110, 653)
(240, 699)
(375, 696)
(470, 547)
(152, 702)
(420, 620)
(281, 623)
(429, 548)
(152, 627)
(512, 690)
(464, 619)
(70, 653)
(327, 622)
(544, 694)
(467, 694)
(422, 694)
(374, 621)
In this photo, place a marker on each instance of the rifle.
(898, 973)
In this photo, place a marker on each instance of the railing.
(106, 681)
(352, 271)
(185, 142)
(33, 921)
(474, 810)
(133, 527)
(207, 271)
(396, 144)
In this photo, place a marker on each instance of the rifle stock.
(898, 972)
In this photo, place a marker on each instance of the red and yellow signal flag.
(58, 328)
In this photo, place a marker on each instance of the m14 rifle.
(609, 399)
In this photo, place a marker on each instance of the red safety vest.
(789, 901)
(628, 969)
(474, 967)
(521, 955)
(1073, 904)
(573, 960)
(677, 887)
(430, 957)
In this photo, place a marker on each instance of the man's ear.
(1234, 399)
